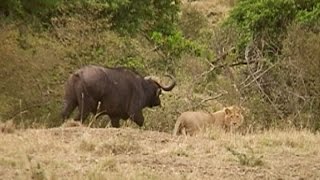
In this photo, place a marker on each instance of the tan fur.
(190, 122)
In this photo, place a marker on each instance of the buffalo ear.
(227, 111)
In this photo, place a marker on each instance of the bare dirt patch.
(84, 153)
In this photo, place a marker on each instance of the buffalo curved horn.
(147, 78)
(153, 78)
(170, 86)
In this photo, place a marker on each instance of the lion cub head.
(233, 117)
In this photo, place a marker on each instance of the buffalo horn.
(170, 86)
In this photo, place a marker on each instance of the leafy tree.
(22, 7)
(266, 21)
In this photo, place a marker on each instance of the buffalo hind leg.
(86, 106)
(82, 114)
(138, 118)
(68, 107)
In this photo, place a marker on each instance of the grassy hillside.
(35, 62)
(217, 59)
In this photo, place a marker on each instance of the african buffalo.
(121, 92)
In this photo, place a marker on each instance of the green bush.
(266, 21)
(20, 8)
(39, 7)
(9, 7)
(133, 16)
(127, 17)
(175, 45)
(310, 18)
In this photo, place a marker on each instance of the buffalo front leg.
(82, 114)
(115, 122)
(86, 105)
(138, 118)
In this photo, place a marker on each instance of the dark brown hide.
(121, 92)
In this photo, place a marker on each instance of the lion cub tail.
(177, 128)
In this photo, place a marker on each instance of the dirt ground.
(126, 153)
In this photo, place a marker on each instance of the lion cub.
(190, 122)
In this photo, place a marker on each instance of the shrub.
(300, 73)
(20, 8)
(132, 16)
(266, 21)
(286, 93)
(192, 23)
(310, 18)
(175, 45)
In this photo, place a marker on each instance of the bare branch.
(207, 72)
(239, 63)
(255, 79)
(209, 99)
(222, 56)
(258, 76)
(212, 98)
(213, 67)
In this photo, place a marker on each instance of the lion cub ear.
(227, 111)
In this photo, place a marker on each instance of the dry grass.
(214, 10)
(87, 153)
(71, 123)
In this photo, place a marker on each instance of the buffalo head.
(156, 90)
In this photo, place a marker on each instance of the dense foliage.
(126, 16)
(267, 21)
